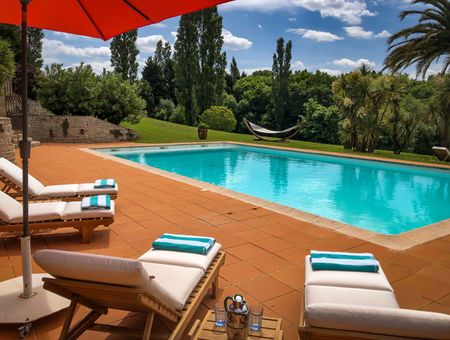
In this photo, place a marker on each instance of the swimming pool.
(382, 197)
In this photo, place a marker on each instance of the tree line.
(188, 83)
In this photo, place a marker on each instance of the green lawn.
(158, 131)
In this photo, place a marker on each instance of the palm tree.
(442, 102)
(424, 43)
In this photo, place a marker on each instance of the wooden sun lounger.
(100, 297)
(16, 192)
(262, 133)
(85, 226)
(441, 153)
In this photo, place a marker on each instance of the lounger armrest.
(379, 320)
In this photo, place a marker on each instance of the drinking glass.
(220, 315)
(256, 316)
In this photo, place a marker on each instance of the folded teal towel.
(341, 255)
(96, 202)
(184, 243)
(344, 261)
(104, 183)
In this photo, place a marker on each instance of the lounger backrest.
(12, 172)
(9, 208)
(93, 268)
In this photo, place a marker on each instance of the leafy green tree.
(404, 120)
(11, 34)
(281, 71)
(442, 103)
(119, 100)
(230, 102)
(146, 93)
(35, 36)
(186, 65)
(212, 62)
(124, 53)
(7, 64)
(320, 124)
(219, 118)
(234, 71)
(178, 116)
(424, 43)
(165, 109)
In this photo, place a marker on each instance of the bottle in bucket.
(237, 317)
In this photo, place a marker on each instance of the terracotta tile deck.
(265, 249)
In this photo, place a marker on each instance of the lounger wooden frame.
(85, 226)
(307, 332)
(15, 191)
(101, 297)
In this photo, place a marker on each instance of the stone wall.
(46, 127)
(6, 140)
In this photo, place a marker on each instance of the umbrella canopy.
(93, 18)
(102, 19)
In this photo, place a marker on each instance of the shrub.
(119, 100)
(203, 126)
(178, 115)
(165, 109)
(219, 118)
(7, 65)
(321, 124)
(230, 102)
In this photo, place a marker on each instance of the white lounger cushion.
(379, 320)
(172, 285)
(42, 212)
(94, 268)
(346, 278)
(14, 173)
(9, 208)
(73, 211)
(353, 296)
(59, 190)
(181, 258)
(86, 189)
(83, 189)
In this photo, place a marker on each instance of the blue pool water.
(383, 197)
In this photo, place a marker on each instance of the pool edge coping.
(400, 242)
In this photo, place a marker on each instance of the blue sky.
(329, 35)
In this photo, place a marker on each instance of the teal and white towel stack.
(359, 262)
(184, 243)
(96, 202)
(105, 183)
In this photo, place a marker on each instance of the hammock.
(261, 132)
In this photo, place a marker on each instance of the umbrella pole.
(25, 149)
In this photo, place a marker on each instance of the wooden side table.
(207, 330)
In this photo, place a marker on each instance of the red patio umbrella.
(102, 19)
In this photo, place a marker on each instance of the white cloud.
(234, 43)
(174, 35)
(69, 36)
(359, 33)
(97, 66)
(315, 35)
(383, 34)
(260, 26)
(332, 72)
(349, 11)
(353, 63)
(50, 48)
(298, 65)
(158, 25)
(148, 43)
(249, 71)
(292, 19)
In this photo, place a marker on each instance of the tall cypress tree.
(281, 70)
(124, 53)
(212, 63)
(186, 65)
(234, 71)
(35, 36)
